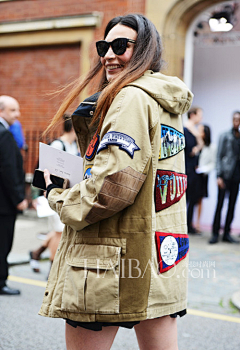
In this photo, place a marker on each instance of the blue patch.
(172, 142)
(125, 142)
(87, 173)
(171, 249)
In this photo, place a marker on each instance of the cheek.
(127, 56)
(102, 60)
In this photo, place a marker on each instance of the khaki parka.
(123, 252)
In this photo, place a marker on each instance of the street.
(212, 323)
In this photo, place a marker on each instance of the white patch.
(123, 141)
(169, 250)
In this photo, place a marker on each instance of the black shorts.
(97, 326)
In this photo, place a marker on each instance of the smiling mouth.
(113, 67)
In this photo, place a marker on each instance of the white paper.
(61, 163)
(43, 209)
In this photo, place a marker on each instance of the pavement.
(214, 270)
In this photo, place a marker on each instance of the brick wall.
(36, 9)
(29, 73)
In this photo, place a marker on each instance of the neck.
(236, 133)
(69, 137)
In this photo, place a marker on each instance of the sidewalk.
(27, 227)
(214, 270)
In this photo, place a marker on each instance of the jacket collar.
(4, 123)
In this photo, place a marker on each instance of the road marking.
(212, 315)
(27, 281)
(189, 311)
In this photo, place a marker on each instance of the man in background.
(228, 178)
(12, 186)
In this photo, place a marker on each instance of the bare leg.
(84, 339)
(157, 334)
(199, 214)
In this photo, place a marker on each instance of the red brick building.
(41, 55)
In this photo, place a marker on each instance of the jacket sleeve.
(220, 155)
(119, 168)
(11, 171)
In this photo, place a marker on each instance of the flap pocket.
(91, 282)
(93, 256)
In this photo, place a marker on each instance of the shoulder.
(58, 144)
(129, 92)
(137, 92)
(6, 134)
(2, 128)
(226, 135)
(132, 99)
(212, 146)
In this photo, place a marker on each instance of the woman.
(123, 252)
(206, 163)
(193, 146)
(66, 142)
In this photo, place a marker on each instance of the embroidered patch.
(172, 142)
(87, 173)
(171, 249)
(125, 142)
(92, 148)
(169, 188)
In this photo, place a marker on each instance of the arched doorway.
(212, 72)
(173, 18)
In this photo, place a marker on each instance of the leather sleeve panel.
(118, 191)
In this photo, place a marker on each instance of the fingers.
(47, 177)
(22, 205)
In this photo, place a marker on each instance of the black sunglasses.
(118, 46)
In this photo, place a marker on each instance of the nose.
(18, 113)
(110, 54)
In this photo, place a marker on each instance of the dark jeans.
(232, 187)
(7, 223)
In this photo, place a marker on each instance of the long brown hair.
(146, 56)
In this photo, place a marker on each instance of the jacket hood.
(170, 92)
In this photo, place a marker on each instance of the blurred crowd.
(202, 156)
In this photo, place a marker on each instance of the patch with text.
(169, 188)
(92, 148)
(171, 249)
(172, 142)
(123, 141)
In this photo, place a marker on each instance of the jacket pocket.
(92, 279)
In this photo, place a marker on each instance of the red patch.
(92, 148)
(171, 249)
(169, 188)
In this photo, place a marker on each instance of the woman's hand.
(220, 183)
(47, 177)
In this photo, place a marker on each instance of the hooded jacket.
(123, 252)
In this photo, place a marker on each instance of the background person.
(66, 142)
(12, 186)
(17, 131)
(124, 205)
(206, 163)
(228, 178)
(194, 144)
